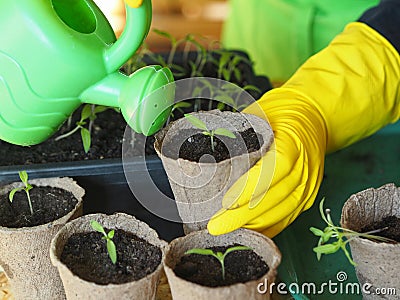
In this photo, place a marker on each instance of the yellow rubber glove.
(344, 93)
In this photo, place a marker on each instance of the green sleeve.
(280, 35)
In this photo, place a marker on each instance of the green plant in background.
(342, 236)
(211, 133)
(27, 187)
(218, 255)
(226, 62)
(89, 112)
(111, 249)
(179, 107)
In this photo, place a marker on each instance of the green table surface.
(372, 162)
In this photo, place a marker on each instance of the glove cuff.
(353, 83)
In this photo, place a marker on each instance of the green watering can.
(57, 54)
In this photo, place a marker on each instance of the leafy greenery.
(89, 112)
(111, 249)
(211, 133)
(218, 255)
(342, 236)
(226, 63)
(27, 187)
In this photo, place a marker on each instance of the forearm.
(354, 83)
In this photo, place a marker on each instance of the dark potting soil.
(48, 203)
(390, 226)
(240, 266)
(86, 256)
(107, 135)
(197, 145)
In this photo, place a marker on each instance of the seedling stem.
(218, 255)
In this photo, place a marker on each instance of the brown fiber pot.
(198, 187)
(378, 263)
(77, 288)
(182, 289)
(24, 252)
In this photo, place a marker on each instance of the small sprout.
(112, 251)
(342, 235)
(218, 255)
(211, 133)
(24, 178)
(179, 107)
(89, 112)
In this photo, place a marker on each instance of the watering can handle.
(138, 21)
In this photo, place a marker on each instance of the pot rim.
(60, 265)
(265, 147)
(68, 184)
(272, 271)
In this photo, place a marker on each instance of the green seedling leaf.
(207, 84)
(236, 248)
(12, 193)
(181, 104)
(86, 139)
(316, 231)
(86, 111)
(224, 59)
(112, 251)
(238, 74)
(250, 87)
(327, 248)
(97, 226)
(197, 91)
(111, 234)
(218, 255)
(221, 106)
(196, 122)
(166, 35)
(177, 70)
(326, 236)
(226, 99)
(23, 175)
(224, 132)
(200, 251)
(230, 87)
(99, 109)
(226, 74)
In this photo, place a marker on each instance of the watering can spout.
(145, 97)
(143, 113)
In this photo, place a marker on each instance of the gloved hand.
(344, 93)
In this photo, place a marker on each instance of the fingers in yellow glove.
(295, 174)
(279, 200)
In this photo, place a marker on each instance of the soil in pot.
(86, 256)
(199, 144)
(389, 228)
(48, 203)
(240, 267)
